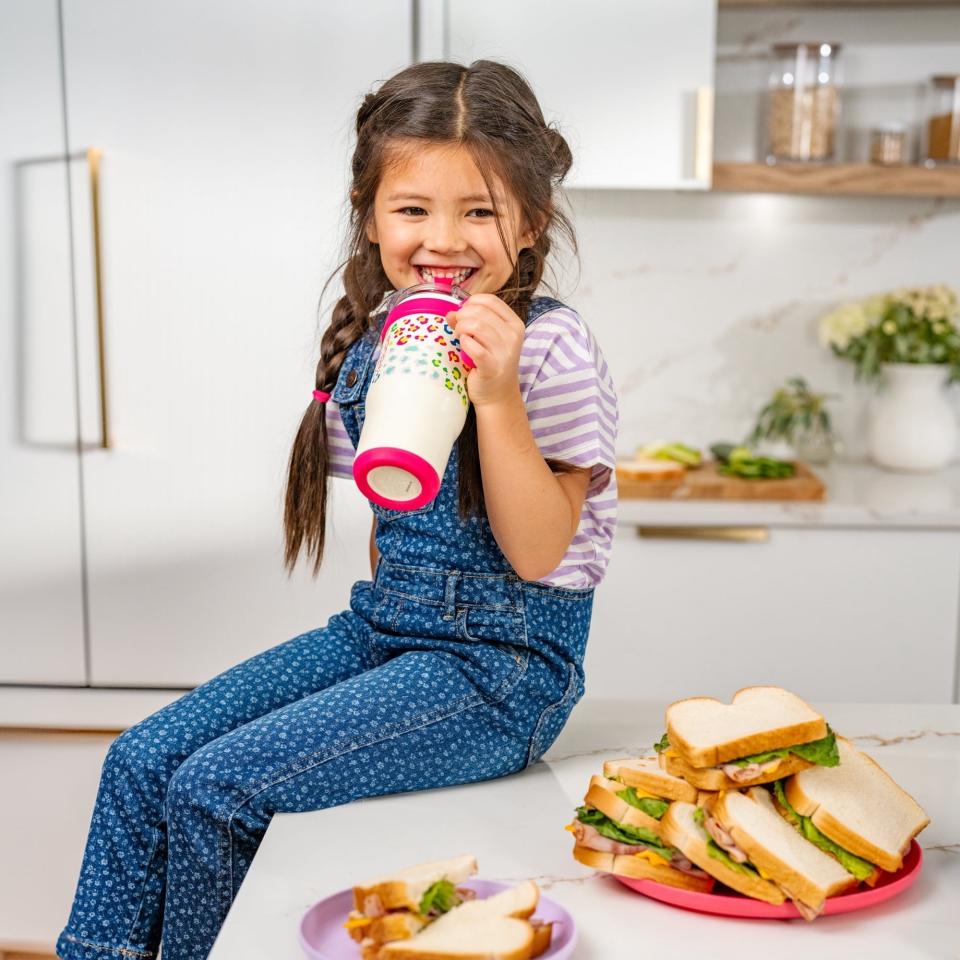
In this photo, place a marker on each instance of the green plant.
(793, 410)
(915, 325)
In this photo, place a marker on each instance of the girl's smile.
(433, 217)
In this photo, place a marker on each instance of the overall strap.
(539, 306)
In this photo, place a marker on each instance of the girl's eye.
(484, 213)
(412, 211)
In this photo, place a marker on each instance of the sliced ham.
(373, 906)
(724, 840)
(751, 770)
(587, 836)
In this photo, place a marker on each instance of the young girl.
(462, 658)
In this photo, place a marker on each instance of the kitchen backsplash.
(703, 304)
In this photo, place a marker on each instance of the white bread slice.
(648, 468)
(707, 732)
(602, 794)
(640, 867)
(778, 851)
(645, 776)
(859, 806)
(489, 929)
(714, 779)
(404, 889)
(690, 838)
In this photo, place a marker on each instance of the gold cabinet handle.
(703, 137)
(724, 534)
(94, 156)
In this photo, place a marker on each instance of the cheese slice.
(652, 857)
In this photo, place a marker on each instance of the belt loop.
(450, 596)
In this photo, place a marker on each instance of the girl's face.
(433, 216)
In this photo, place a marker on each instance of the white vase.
(912, 425)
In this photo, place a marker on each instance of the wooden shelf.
(855, 179)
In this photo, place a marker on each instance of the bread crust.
(832, 828)
(660, 784)
(713, 779)
(600, 795)
(694, 847)
(638, 868)
(782, 873)
(411, 949)
(773, 738)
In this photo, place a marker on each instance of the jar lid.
(822, 47)
(945, 79)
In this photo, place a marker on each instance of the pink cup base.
(416, 466)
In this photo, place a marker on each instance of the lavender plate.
(323, 937)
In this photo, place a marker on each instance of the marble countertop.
(859, 494)
(515, 828)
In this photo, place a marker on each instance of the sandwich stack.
(421, 913)
(758, 794)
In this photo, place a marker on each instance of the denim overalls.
(446, 669)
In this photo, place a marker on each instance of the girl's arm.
(374, 552)
(533, 512)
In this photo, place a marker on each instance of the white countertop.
(858, 495)
(515, 828)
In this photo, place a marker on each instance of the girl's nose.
(444, 237)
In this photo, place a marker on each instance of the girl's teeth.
(457, 276)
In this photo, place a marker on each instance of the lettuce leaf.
(718, 853)
(662, 744)
(649, 805)
(823, 752)
(439, 897)
(622, 833)
(861, 869)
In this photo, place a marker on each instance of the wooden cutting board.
(705, 483)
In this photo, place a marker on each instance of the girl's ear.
(528, 238)
(371, 231)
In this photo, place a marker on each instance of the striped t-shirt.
(572, 408)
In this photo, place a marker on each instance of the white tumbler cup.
(417, 400)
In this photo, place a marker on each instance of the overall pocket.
(386, 515)
(554, 717)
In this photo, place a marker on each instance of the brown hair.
(490, 110)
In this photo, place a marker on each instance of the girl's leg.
(418, 721)
(118, 907)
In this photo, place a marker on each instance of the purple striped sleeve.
(339, 446)
(571, 404)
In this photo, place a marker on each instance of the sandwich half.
(496, 928)
(856, 811)
(399, 905)
(765, 734)
(619, 832)
(742, 841)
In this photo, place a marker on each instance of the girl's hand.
(492, 334)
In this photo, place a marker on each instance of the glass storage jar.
(943, 122)
(803, 102)
(888, 144)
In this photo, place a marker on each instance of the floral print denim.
(446, 669)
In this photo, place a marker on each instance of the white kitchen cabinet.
(41, 597)
(51, 782)
(833, 614)
(629, 83)
(225, 129)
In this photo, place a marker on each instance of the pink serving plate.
(323, 936)
(728, 903)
